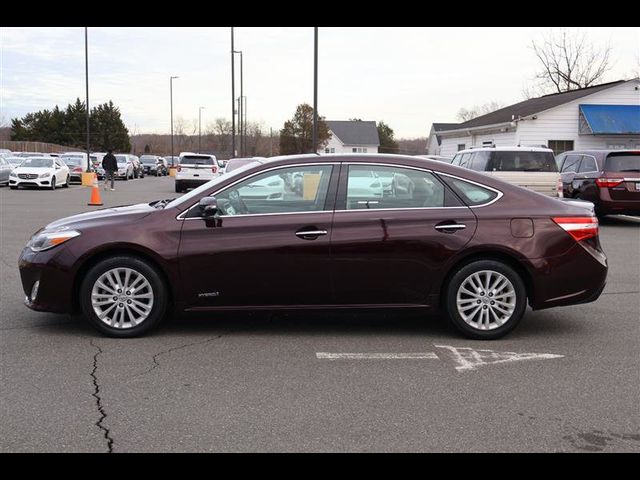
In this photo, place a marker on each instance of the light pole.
(233, 100)
(240, 117)
(86, 79)
(171, 102)
(315, 89)
(244, 121)
(200, 129)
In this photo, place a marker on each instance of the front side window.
(286, 190)
(588, 165)
(571, 164)
(375, 187)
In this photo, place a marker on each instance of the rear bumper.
(578, 276)
(609, 206)
(190, 183)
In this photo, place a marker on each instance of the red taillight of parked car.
(77, 170)
(580, 228)
(608, 182)
(214, 169)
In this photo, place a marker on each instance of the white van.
(194, 169)
(533, 168)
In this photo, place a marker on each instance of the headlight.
(46, 240)
(11, 174)
(45, 175)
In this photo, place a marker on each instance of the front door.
(269, 245)
(394, 230)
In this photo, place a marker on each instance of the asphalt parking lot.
(567, 380)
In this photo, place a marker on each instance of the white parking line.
(376, 356)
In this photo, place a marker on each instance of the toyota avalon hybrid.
(454, 240)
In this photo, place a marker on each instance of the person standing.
(110, 165)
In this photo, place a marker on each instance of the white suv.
(534, 168)
(194, 169)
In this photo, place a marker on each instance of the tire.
(53, 182)
(485, 321)
(13, 187)
(179, 188)
(152, 282)
(126, 177)
(66, 182)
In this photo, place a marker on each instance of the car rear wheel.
(66, 182)
(53, 183)
(123, 297)
(486, 299)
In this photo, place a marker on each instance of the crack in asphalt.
(96, 395)
(156, 364)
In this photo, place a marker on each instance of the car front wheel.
(486, 299)
(123, 297)
(53, 183)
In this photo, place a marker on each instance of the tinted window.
(571, 163)
(521, 161)
(196, 160)
(471, 193)
(392, 187)
(588, 165)
(619, 162)
(479, 161)
(286, 190)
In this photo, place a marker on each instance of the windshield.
(72, 160)
(623, 162)
(144, 159)
(520, 161)
(37, 163)
(122, 159)
(26, 155)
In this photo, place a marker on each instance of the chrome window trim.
(279, 167)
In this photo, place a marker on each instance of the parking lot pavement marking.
(469, 359)
(376, 356)
(464, 358)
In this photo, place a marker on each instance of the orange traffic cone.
(95, 201)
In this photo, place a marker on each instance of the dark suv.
(608, 178)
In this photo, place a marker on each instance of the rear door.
(568, 171)
(392, 249)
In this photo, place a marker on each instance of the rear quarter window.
(472, 194)
(522, 161)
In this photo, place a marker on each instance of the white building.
(604, 116)
(352, 137)
(435, 140)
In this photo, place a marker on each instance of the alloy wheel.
(486, 300)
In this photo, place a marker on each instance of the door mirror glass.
(208, 206)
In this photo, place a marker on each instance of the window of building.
(560, 146)
(327, 150)
(462, 146)
(354, 150)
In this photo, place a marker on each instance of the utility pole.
(200, 129)
(86, 79)
(171, 102)
(233, 99)
(315, 89)
(271, 140)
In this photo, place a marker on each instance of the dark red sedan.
(322, 232)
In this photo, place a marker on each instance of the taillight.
(214, 169)
(178, 168)
(77, 169)
(559, 188)
(608, 182)
(580, 228)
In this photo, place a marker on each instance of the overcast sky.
(408, 77)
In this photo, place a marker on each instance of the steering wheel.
(237, 203)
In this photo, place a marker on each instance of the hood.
(37, 171)
(129, 213)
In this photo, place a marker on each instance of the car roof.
(506, 149)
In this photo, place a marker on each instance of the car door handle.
(450, 227)
(310, 234)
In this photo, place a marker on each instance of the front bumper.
(35, 182)
(56, 282)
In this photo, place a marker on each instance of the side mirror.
(208, 206)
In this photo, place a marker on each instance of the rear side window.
(571, 164)
(623, 162)
(521, 161)
(588, 165)
(194, 160)
(464, 161)
(471, 193)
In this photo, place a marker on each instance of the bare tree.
(569, 62)
(464, 114)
